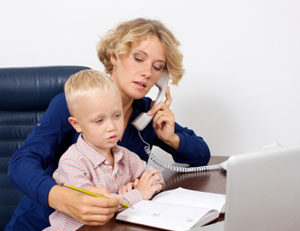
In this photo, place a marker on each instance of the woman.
(135, 54)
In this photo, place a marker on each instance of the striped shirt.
(84, 167)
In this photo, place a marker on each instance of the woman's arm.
(192, 149)
(182, 143)
(32, 165)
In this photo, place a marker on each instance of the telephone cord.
(153, 158)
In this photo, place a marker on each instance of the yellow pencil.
(91, 193)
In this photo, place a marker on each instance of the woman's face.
(136, 73)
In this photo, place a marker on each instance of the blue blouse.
(32, 166)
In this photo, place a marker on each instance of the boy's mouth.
(112, 138)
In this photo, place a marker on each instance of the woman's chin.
(137, 94)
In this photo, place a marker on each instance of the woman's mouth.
(140, 84)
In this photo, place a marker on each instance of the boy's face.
(100, 120)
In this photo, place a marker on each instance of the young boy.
(95, 159)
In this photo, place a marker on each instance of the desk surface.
(208, 181)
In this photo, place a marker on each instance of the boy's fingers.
(154, 179)
(129, 186)
(158, 186)
(152, 172)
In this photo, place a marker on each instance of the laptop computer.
(262, 191)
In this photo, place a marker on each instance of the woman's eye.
(138, 59)
(157, 68)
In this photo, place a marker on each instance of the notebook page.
(193, 198)
(165, 215)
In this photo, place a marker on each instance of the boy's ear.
(73, 121)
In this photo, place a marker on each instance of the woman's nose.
(147, 70)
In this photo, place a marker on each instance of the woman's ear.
(73, 121)
(113, 60)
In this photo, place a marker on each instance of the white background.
(242, 58)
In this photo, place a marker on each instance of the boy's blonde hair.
(84, 84)
(120, 41)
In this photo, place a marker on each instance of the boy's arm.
(131, 197)
(137, 168)
(72, 171)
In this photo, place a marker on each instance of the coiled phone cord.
(176, 168)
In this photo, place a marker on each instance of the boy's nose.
(111, 125)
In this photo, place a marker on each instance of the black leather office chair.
(24, 96)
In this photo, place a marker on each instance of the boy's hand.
(125, 188)
(128, 187)
(147, 183)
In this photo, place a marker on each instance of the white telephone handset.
(144, 119)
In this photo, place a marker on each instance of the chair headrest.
(32, 88)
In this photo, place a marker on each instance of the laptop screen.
(263, 190)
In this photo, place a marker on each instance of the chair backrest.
(24, 96)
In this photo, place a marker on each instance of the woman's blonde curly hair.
(120, 41)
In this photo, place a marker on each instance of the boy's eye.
(99, 120)
(118, 115)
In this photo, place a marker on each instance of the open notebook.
(178, 209)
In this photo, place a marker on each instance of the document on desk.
(178, 209)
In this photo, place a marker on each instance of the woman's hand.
(164, 121)
(148, 185)
(84, 208)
